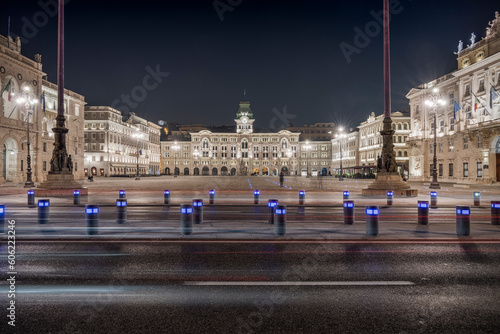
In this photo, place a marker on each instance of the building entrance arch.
(223, 170)
(204, 170)
(9, 160)
(196, 171)
(233, 171)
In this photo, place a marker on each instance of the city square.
(169, 186)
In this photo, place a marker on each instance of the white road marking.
(304, 283)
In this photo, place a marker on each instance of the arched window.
(244, 144)
(406, 153)
(399, 126)
(205, 143)
(399, 153)
(405, 126)
(284, 144)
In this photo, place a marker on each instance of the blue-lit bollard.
(434, 199)
(121, 211)
(348, 212)
(76, 197)
(92, 218)
(198, 211)
(256, 197)
(477, 198)
(346, 195)
(463, 220)
(2, 218)
(166, 196)
(390, 197)
(186, 219)
(495, 213)
(122, 194)
(302, 197)
(423, 212)
(272, 203)
(280, 226)
(372, 213)
(211, 196)
(31, 197)
(43, 211)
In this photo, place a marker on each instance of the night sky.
(286, 54)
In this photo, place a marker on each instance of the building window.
(76, 166)
(481, 85)
(479, 169)
(467, 90)
(450, 169)
(441, 126)
(432, 147)
(45, 147)
(22, 165)
(452, 124)
(440, 168)
(479, 141)
(466, 142)
(466, 169)
(452, 99)
(450, 145)
(440, 147)
(44, 166)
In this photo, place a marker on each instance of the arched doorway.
(265, 171)
(167, 171)
(223, 171)
(233, 171)
(324, 172)
(275, 171)
(255, 171)
(93, 171)
(214, 171)
(284, 170)
(9, 160)
(176, 171)
(196, 171)
(186, 171)
(204, 170)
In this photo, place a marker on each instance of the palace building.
(462, 110)
(22, 78)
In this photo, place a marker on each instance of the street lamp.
(434, 102)
(307, 147)
(175, 148)
(340, 135)
(29, 100)
(138, 136)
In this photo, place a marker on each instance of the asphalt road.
(254, 287)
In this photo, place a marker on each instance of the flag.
(42, 101)
(140, 152)
(494, 94)
(482, 105)
(7, 88)
(457, 108)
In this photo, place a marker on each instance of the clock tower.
(244, 118)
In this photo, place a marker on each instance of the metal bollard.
(302, 197)
(121, 211)
(166, 196)
(198, 211)
(122, 194)
(211, 196)
(31, 197)
(390, 197)
(43, 211)
(463, 220)
(434, 199)
(346, 195)
(76, 197)
(423, 212)
(92, 218)
(186, 219)
(349, 212)
(272, 203)
(495, 213)
(2, 218)
(372, 220)
(256, 197)
(477, 198)
(280, 226)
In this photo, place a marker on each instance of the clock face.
(244, 120)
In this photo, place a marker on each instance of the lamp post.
(175, 148)
(138, 136)
(29, 100)
(307, 147)
(434, 101)
(340, 137)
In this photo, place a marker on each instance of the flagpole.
(8, 34)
